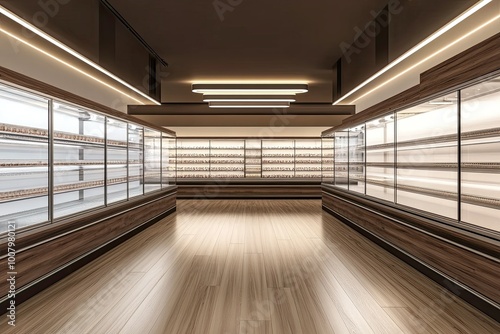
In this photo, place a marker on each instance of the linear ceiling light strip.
(77, 55)
(428, 58)
(70, 66)
(250, 89)
(419, 46)
(249, 98)
(249, 105)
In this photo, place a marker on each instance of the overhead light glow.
(250, 89)
(72, 52)
(428, 58)
(248, 98)
(249, 105)
(70, 66)
(419, 46)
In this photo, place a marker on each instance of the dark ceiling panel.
(202, 109)
(276, 40)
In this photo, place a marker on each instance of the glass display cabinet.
(79, 159)
(308, 158)
(380, 164)
(440, 158)
(253, 158)
(24, 155)
(135, 160)
(342, 159)
(480, 155)
(327, 159)
(152, 160)
(278, 159)
(116, 160)
(227, 159)
(168, 156)
(208, 158)
(59, 159)
(193, 158)
(427, 156)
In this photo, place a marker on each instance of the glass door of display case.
(79, 159)
(427, 156)
(135, 160)
(116, 160)
(24, 158)
(253, 158)
(380, 164)
(308, 158)
(152, 160)
(227, 159)
(480, 155)
(193, 158)
(278, 158)
(342, 159)
(327, 159)
(168, 165)
(357, 159)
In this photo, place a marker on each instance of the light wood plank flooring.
(248, 267)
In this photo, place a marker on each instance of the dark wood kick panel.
(245, 191)
(42, 259)
(479, 273)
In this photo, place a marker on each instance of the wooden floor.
(248, 267)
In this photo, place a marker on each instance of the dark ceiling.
(259, 40)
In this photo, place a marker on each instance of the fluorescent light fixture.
(250, 89)
(248, 98)
(249, 104)
(69, 50)
(419, 46)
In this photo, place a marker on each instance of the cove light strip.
(429, 57)
(416, 48)
(72, 52)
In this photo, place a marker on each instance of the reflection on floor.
(248, 267)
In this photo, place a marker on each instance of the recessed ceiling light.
(250, 89)
(248, 98)
(249, 104)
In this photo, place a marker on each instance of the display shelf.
(80, 160)
(439, 157)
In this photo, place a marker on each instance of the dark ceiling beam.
(180, 109)
(273, 123)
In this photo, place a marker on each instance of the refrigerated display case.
(308, 158)
(439, 158)
(229, 158)
(24, 155)
(58, 159)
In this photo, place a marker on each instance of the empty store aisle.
(246, 267)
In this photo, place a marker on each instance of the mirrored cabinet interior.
(58, 159)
